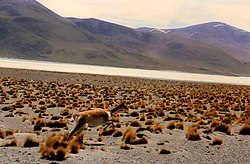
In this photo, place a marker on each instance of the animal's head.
(74, 117)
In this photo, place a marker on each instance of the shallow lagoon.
(131, 72)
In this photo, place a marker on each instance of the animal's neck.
(116, 109)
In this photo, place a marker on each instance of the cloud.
(158, 13)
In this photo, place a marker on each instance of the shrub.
(106, 132)
(171, 125)
(156, 128)
(9, 132)
(164, 151)
(219, 126)
(13, 143)
(245, 130)
(138, 141)
(117, 133)
(128, 136)
(217, 141)
(149, 122)
(124, 146)
(180, 125)
(2, 134)
(135, 124)
(134, 114)
(30, 142)
(192, 134)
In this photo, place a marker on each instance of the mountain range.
(28, 30)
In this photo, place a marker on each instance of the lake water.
(104, 70)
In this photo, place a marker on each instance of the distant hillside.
(28, 30)
(232, 40)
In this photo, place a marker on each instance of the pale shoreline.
(115, 71)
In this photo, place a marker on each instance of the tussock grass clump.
(138, 141)
(76, 143)
(117, 133)
(9, 132)
(221, 127)
(135, 124)
(12, 143)
(65, 112)
(30, 142)
(129, 135)
(171, 125)
(134, 114)
(106, 132)
(149, 122)
(61, 123)
(217, 141)
(124, 146)
(245, 130)
(56, 146)
(180, 125)
(142, 118)
(165, 151)
(61, 153)
(156, 128)
(192, 134)
(74, 147)
(10, 114)
(8, 108)
(2, 134)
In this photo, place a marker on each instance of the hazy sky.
(156, 13)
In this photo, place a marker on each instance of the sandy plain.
(26, 95)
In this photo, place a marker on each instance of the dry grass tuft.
(217, 141)
(12, 143)
(135, 124)
(134, 114)
(47, 152)
(76, 143)
(221, 127)
(9, 132)
(74, 147)
(128, 136)
(180, 125)
(56, 147)
(192, 134)
(165, 151)
(30, 142)
(245, 130)
(2, 134)
(171, 125)
(61, 123)
(142, 118)
(61, 153)
(138, 141)
(106, 132)
(156, 128)
(117, 133)
(124, 146)
(149, 122)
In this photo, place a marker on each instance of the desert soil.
(193, 104)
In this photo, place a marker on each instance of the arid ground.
(167, 121)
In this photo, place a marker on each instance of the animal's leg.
(80, 125)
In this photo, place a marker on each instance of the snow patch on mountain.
(159, 30)
(219, 25)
